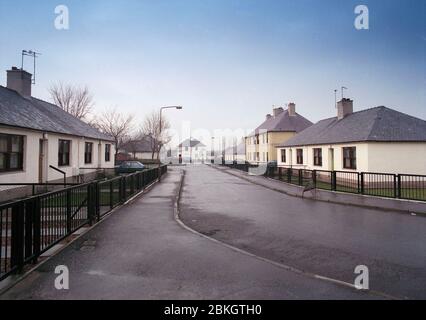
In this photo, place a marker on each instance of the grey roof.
(140, 145)
(283, 122)
(36, 114)
(194, 143)
(375, 124)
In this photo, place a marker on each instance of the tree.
(115, 124)
(155, 128)
(77, 101)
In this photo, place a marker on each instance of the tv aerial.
(34, 55)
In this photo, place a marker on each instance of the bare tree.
(155, 128)
(115, 124)
(77, 101)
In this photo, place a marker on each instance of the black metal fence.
(33, 225)
(401, 186)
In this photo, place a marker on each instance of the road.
(317, 237)
(141, 252)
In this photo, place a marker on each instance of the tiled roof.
(283, 122)
(375, 124)
(140, 145)
(37, 114)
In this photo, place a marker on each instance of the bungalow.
(278, 127)
(36, 136)
(372, 140)
(140, 149)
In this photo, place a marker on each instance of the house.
(278, 127)
(140, 149)
(36, 136)
(372, 140)
(236, 153)
(192, 151)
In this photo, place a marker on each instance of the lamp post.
(212, 152)
(160, 132)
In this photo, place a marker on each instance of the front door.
(40, 161)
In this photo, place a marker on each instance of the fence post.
(314, 178)
(395, 186)
(132, 184)
(280, 173)
(399, 186)
(91, 204)
(68, 199)
(36, 228)
(300, 177)
(362, 182)
(333, 181)
(111, 194)
(29, 217)
(289, 173)
(17, 237)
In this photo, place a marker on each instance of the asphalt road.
(141, 252)
(318, 237)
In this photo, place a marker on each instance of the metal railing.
(400, 186)
(33, 225)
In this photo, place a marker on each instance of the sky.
(226, 61)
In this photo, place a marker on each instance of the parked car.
(272, 164)
(129, 167)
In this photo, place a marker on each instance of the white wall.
(381, 157)
(30, 172)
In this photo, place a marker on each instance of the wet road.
(141, 252)
(318, 237)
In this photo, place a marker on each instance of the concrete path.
(318, 237)
(140, 252)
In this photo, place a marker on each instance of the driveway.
(318, 237)
(141, 252)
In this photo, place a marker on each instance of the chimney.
(291, 109)
(20, 81)
(268, 116)
(277, 111)
(344, 107)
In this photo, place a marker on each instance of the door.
(331, 159)
(40, 161)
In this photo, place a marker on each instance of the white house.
(35, 135)
(236, 153)
(373, 140)
(192, 151)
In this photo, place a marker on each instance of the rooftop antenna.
(335, 98)
(34, 55)
(343, 88)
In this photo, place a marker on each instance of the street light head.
(179, 107)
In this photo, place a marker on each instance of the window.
(299, 156)
(107, 152)
(349, 158)
(88, 148)
(317, 157)
(64, 152)
(186, 148)
(11, 152)
(283, 155)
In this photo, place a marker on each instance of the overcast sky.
(226, 61)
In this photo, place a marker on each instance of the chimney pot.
(344, 107)
(291, 109)
(268, 116)
(20, 81)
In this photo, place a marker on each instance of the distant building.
(236, 153)
(35, 135)
(192, 151)
(278, 127)
(140, 149)
(372, 140)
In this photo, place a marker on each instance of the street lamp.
(212, 152)
(161, 130)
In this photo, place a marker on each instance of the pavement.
(316, 237)
(141, 252)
